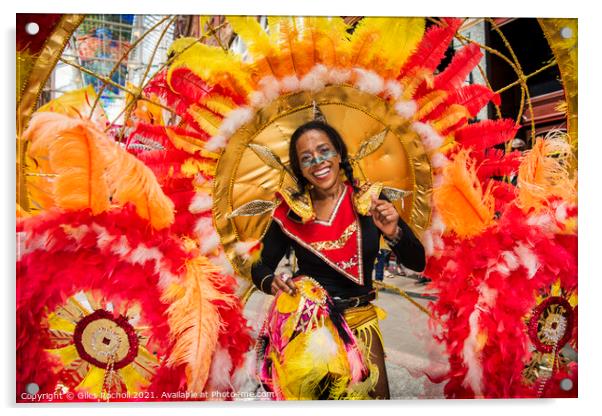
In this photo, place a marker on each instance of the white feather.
(209, 243)
(321, 346)
(219, 374)
(216, 143)
(142, 254)
(393, 89)
(257, 99)
(290, 83)
(369, 81)
(527, 258)
(487, 294)
(437, 181)
(165, 279)
(245, 374)
(122, 247)
(235, 120)
(103, 238)
(427, 242)
(439, 160)
(39, 242)
(511, 260)
(561, 213)
(201, 202)
(339, 76)
(222, 261)
(270, 87)
(76, 233)
(431, 140)
(544, 221)
(406, 109)
(315, 80)
(471, 358)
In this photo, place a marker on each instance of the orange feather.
(194, 320)
(93, 171)
(68, 146)
(544, 174)
(465, 208)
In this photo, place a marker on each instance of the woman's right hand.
(283, 282)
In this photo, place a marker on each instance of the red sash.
(337, 241)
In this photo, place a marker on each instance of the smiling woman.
(336, 248)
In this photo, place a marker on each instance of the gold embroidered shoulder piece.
(301, 206)
(363, 199)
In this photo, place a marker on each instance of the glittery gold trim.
(301, 205)
(363, 199)
(565, 49)
(44, 64)
(255, 207)
(339, 242)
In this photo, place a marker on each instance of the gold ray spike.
(270, 158)
(255, 207)
(370, 145)
(59, 339)
(317, 112)
(394, 194)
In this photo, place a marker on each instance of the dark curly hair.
(337, 142)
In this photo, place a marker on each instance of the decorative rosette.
(551, 324)
(101, 351)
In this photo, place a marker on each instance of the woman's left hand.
(385, 216)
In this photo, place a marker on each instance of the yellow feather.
(429, 102)
(208, 121)
(465, 208)
(194, 320)
(210, 63)
(412, 81)
(383, 44)
(544, 174)
(329, 39)
(452, 115)
(291, 56)
(250, 31)
(192, 166)
(66, 354)
(219, 104)
(93, 382)
(186, 143)
(399, 38)
(362, 44)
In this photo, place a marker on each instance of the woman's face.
(318, 159)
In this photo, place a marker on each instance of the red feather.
(473, 97)
(504, 193)
(487, 133)
(461, 65)
(472, 276)
(432, 47)
(505, 165)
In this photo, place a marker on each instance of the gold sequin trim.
(339, 242)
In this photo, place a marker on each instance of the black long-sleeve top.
(408, 251)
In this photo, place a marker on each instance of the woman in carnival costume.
(336, 242)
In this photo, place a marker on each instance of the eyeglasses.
(325, 154)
